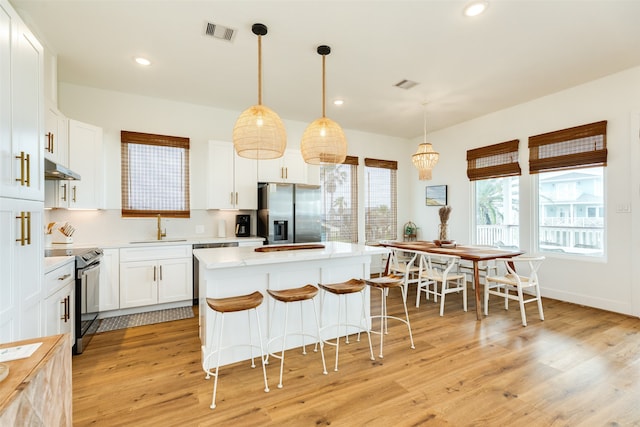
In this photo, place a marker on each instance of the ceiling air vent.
(406, 84)
(220, 32)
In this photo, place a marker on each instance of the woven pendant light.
(259, 133)
(323, 142)
(425, 158)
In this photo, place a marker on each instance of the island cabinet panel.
(237, 271)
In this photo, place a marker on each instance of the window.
(380, 199)
(155, 175)
(569, 165)
(494, 171)
(340, 200)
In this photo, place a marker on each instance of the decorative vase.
(443, 231)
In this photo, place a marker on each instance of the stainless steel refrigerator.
(289, 213)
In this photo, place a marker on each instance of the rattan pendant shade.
(425, 158)
(259, 132)
(323, 142)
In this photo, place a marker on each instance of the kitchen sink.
(159, 241)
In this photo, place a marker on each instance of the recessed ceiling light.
(142, 61)
(338, 102)
(475, 8)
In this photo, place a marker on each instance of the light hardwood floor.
(580, 367)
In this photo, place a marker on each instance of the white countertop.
(163, 242)
(53, 262)
(247, 256)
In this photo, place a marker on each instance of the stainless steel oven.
(87, 295)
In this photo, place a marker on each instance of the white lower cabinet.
(59, 304)
(109, 280)
(155, 275)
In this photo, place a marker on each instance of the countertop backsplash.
(108, 226)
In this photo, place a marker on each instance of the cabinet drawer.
(155, 252)
(61, 276)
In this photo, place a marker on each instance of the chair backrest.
(436, 265)
(395, 263)
(523, 266)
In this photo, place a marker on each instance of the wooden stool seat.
(239, 303)
(386, 282)
(295, 294)
(348, 287)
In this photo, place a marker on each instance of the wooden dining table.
(475, 254)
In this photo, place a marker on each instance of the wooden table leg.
(476, 282)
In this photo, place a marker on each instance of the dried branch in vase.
(444, 212)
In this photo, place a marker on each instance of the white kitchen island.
(232, 271)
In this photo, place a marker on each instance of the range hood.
(55, 171)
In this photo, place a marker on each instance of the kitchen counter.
(226, 272)
(51, 263)
(247, 256)
(166, 241)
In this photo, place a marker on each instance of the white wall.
(611, 284)
(115, 111)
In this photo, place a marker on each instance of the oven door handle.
(89, 269)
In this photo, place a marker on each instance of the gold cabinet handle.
(66, 276)
(21, 157)
(48, 147)
(236, 198)
(25, 228)
(65, 303)
(161, 272)
(21, 239)
(73, 197)
(28, 215)
(64, 192)
(154, 273)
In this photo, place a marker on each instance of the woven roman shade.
(384, 164)
(493, 161)
(340, 200)
(155, 175)
(573, 148)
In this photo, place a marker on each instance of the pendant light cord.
(425, 122)
(259, 70)
(323, 85)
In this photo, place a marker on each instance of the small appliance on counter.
(243, 225)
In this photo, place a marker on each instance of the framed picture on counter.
(436, 195)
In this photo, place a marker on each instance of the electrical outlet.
(199, 229)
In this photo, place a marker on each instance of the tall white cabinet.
(21, 179)
(232, 180)
(86, 157)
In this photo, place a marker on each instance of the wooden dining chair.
(511, 284)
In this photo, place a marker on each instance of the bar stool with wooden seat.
(384, 284)
(288, 296)
(342, 290)
(221, 306)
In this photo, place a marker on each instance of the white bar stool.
(384, 284)
(342, 290)
(221, 306)
(288, 296)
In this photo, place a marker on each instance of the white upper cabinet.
(21, 109)
(86, 157)
(289, 168)
(56, 142)
(232, 180)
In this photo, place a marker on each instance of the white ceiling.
(466, 67)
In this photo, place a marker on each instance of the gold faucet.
(160, 233)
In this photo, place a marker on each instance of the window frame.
(354, 205)
(568, 158)
(393, 223)
(139, 138)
